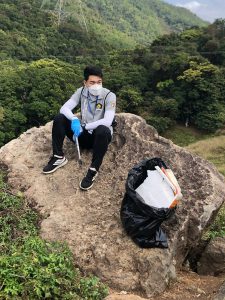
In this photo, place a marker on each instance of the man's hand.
(76, 127)
(83, 124)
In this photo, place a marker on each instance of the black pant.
(98, 140)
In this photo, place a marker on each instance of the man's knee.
(102, 130)
(60, 118)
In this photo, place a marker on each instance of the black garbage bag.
(141, 221)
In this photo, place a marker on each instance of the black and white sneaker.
(55, 162)
(88, 180)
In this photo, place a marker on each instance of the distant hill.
(29, 31)
(128, 23)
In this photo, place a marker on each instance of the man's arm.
(110, 109)
(67, 108)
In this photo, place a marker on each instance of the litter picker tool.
(78, 150)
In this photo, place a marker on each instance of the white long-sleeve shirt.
(95, 110)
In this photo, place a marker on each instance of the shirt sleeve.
(106, 121)
(110, 102)
(110, 109)
(67, 107)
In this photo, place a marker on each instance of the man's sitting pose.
(94, 130)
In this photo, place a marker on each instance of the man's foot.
(55, 162)
(88, 180)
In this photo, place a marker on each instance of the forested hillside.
(178, 78)
(28, 28)
(128, 23)
(29, 33)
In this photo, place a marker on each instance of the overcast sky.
(208, 10)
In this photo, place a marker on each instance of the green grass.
(183, 136)
(32, 268)
(217, 229)
(212, 149)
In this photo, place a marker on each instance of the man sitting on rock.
(94, 130)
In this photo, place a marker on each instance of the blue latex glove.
(76, 127)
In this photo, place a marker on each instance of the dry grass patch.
(212, 149)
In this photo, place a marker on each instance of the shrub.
(32, 268)
(160, 123)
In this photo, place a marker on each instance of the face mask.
(95, 89)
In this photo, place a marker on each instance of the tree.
(165, 107)
(212, 118)
(130, 98)
(203, 84)
(33, 93)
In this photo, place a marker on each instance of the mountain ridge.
(130, 23)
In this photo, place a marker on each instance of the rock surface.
(90, 222)
(212, 261)
(124, 297)
(221, 294)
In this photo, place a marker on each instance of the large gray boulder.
(90, 222)
(212, 261)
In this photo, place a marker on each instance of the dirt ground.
(192, 286)
(189, 286)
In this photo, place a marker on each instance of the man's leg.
(60, 129)
(86, 140)
(101, 139)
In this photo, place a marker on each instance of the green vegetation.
(126, 24)
(178, 79)
(28, 33)
(32, 93)
(31, 268)
(212, 149)
(184, 136)
(176, 85)
(217, 229)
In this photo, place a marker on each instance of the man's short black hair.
(92, 70)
